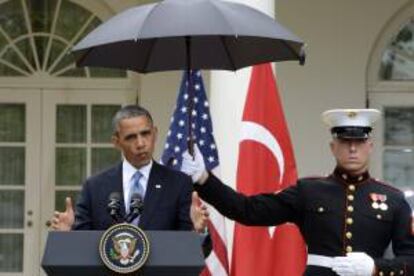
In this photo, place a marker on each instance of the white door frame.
(40, 157)
(50, 99)
(31, 99)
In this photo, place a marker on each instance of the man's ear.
(371, 144)
(115, 140)
(155, 133)
(331, 146)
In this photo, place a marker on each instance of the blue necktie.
(136, 188)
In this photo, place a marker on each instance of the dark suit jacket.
(165, 208)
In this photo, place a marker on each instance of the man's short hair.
(129, 111)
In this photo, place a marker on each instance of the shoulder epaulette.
(314, 177)
(386, 184)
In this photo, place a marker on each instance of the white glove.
(354, 264)
(193, 166)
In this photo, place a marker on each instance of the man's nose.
(352, 145)
(140, 142)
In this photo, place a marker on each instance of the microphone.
(114, 206)
(136, 207)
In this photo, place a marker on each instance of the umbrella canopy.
(188, 34)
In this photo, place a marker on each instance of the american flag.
(196, 115)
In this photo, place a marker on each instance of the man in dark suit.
(347, 219)
(166, 193)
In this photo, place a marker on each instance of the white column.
(227, 96)
(228, 92)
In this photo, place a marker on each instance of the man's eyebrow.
(144, 131)
(131, 135)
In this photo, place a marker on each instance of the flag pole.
(190, 103)
(176, 144)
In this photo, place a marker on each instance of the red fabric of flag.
(266, 165)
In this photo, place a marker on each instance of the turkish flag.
(266, 165)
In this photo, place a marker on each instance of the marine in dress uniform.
(346, 219)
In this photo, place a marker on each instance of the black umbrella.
(188, 34)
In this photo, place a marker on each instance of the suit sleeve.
(83, 219)
(258, 210)
(402, 243)
(183, 212)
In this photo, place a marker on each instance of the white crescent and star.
(255, 132)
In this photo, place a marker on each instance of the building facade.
(55, 118)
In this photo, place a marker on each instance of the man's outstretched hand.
(63, 221)
(198, 213)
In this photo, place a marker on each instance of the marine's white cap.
(351, 123)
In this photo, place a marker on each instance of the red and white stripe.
(217, 262)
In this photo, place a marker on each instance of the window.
(390, 83)
(83, 146)
(36, 38)
(398, 148)
(397, 62)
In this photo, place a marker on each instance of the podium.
(172, 253)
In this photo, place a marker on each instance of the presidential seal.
(124, 248)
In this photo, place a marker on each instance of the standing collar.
(348, 178)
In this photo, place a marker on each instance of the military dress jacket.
(335, 214)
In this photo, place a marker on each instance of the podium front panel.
(172, 253)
